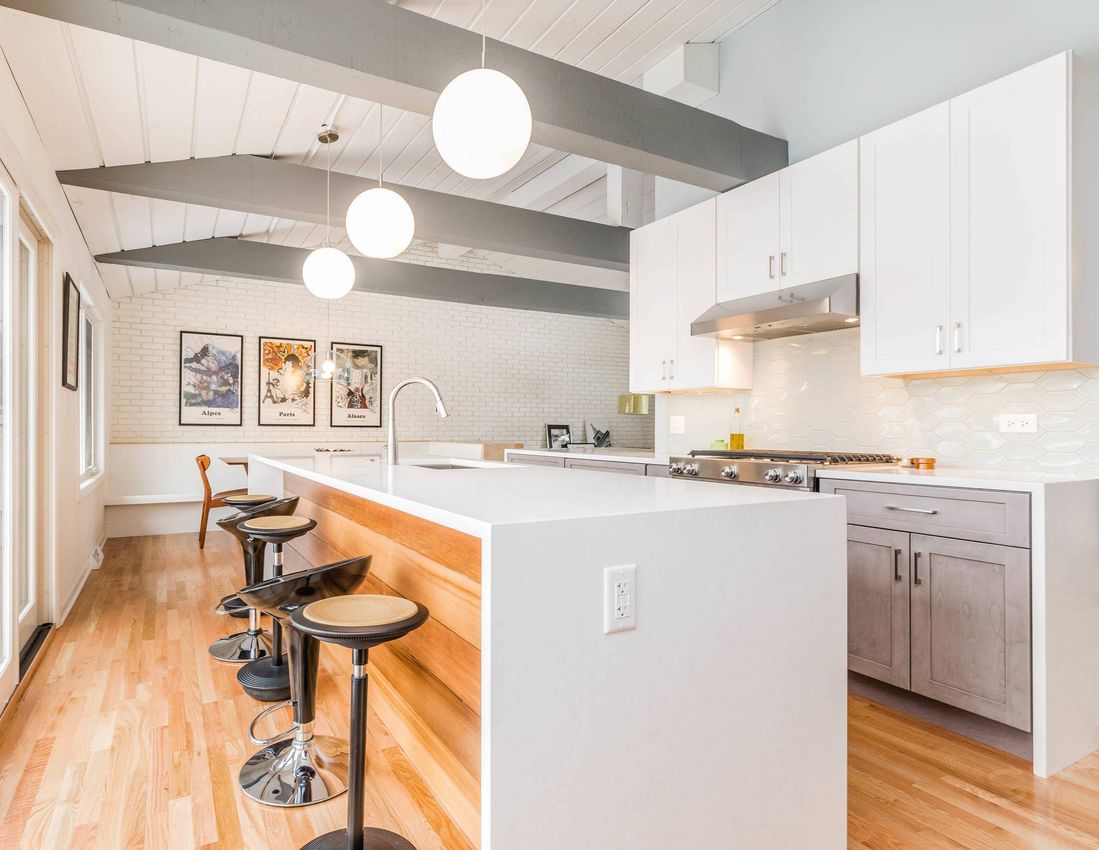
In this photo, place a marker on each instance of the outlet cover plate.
(1018, 423)
(619, 598)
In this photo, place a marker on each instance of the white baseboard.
(85, 571)
(141, 520)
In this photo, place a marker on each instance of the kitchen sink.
(445, 466)
(448, 463)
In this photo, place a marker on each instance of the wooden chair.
(209, 498)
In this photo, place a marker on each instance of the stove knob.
(675, 468)
(772, 475)
(728, 472)
(690, 469)
(793, 477)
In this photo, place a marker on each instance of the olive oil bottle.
(736, 432)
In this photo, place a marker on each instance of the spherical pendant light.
(380, 223)
(482, 123)
(331, 365)
(328, 273)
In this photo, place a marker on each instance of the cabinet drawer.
(988, 516)
(606, 466)
(536, 460)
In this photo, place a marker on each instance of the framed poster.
(358, 402)
(558, 436)
(209, 378)
(70, 335)
(285, 396)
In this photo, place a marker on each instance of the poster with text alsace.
(357, 401)
(209, 378)
(285, 393)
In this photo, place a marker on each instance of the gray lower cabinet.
(971, 626)
(878, 604)
(658, 470)
(536, 460)
(620, 467)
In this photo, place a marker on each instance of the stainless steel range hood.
(823, 305)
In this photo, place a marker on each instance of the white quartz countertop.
(591, 453)
(474, 500)
(978, 479)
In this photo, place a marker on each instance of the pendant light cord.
(484, 32)
(328, 195)
(381, 140)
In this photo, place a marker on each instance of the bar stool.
(358, 622)
(268, 678)
(251, 644)
(305, 768)
(247, 500)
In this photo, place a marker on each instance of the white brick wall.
(503, 373)
(809, 395)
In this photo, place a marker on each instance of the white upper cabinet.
(673, 266)
(965, 232)
(1009, 200)
(749, 227)
(819, 202)
(798, 225)
(904, 266)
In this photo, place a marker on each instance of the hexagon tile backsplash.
(809, 395)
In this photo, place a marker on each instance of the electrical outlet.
(1018, 423)
(677, 424)
(619, 599)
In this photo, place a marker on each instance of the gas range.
(791, 470)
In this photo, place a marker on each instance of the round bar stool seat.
(268, 679)
(360, 622)
(252, 644)
(304, 768)
(247, 500)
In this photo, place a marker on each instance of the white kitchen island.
(718, 722)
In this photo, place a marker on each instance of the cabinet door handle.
(782, 264)
(928, 511)
(957, 337)
(938, 339)
(897, 565)
(671, 370)
(771, 267)
(916, 569)
(663, 370)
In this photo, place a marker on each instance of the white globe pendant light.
(482, 121)
(328, 272)
(380, 222)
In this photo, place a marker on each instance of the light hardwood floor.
(129, 736)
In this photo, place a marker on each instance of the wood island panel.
(426, 688)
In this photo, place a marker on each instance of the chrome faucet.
(391, 440)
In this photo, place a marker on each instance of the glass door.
(28, 595)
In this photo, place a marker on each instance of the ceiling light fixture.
(380, 222)
(328, 272)
(482, 121)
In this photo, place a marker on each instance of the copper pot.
(922, 462)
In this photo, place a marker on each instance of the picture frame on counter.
(357, 401)
(554, 435)
(284, 395)
(70, 334)
(210, 378)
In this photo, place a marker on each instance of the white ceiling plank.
(169, 221)
(199, 222)
(166, 279)
(105, 64)
(311, 108)
(220, 94)
(116, 280)
(745, 12)
(229, 223)
(167, 79)
(49, 87)
(94, 212)
(134, 217)
(265, 110)
(143, 281)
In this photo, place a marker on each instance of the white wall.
(77, 518)
(821, 72)
(809, 395)
(503, 373)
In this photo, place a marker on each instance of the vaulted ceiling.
(102, 99)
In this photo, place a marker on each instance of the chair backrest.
(203, 462)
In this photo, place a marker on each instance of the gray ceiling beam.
(285, 190)
(381, 52)
(241, 258)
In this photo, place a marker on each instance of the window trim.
(90, 478)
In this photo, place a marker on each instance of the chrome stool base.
(242, 647)
(294, 772)
(373, 839)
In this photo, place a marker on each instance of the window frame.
(91, 412)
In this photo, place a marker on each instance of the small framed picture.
(209, 378)
(70, 335)
(358, 402)
(285, 395)
(558, 436)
